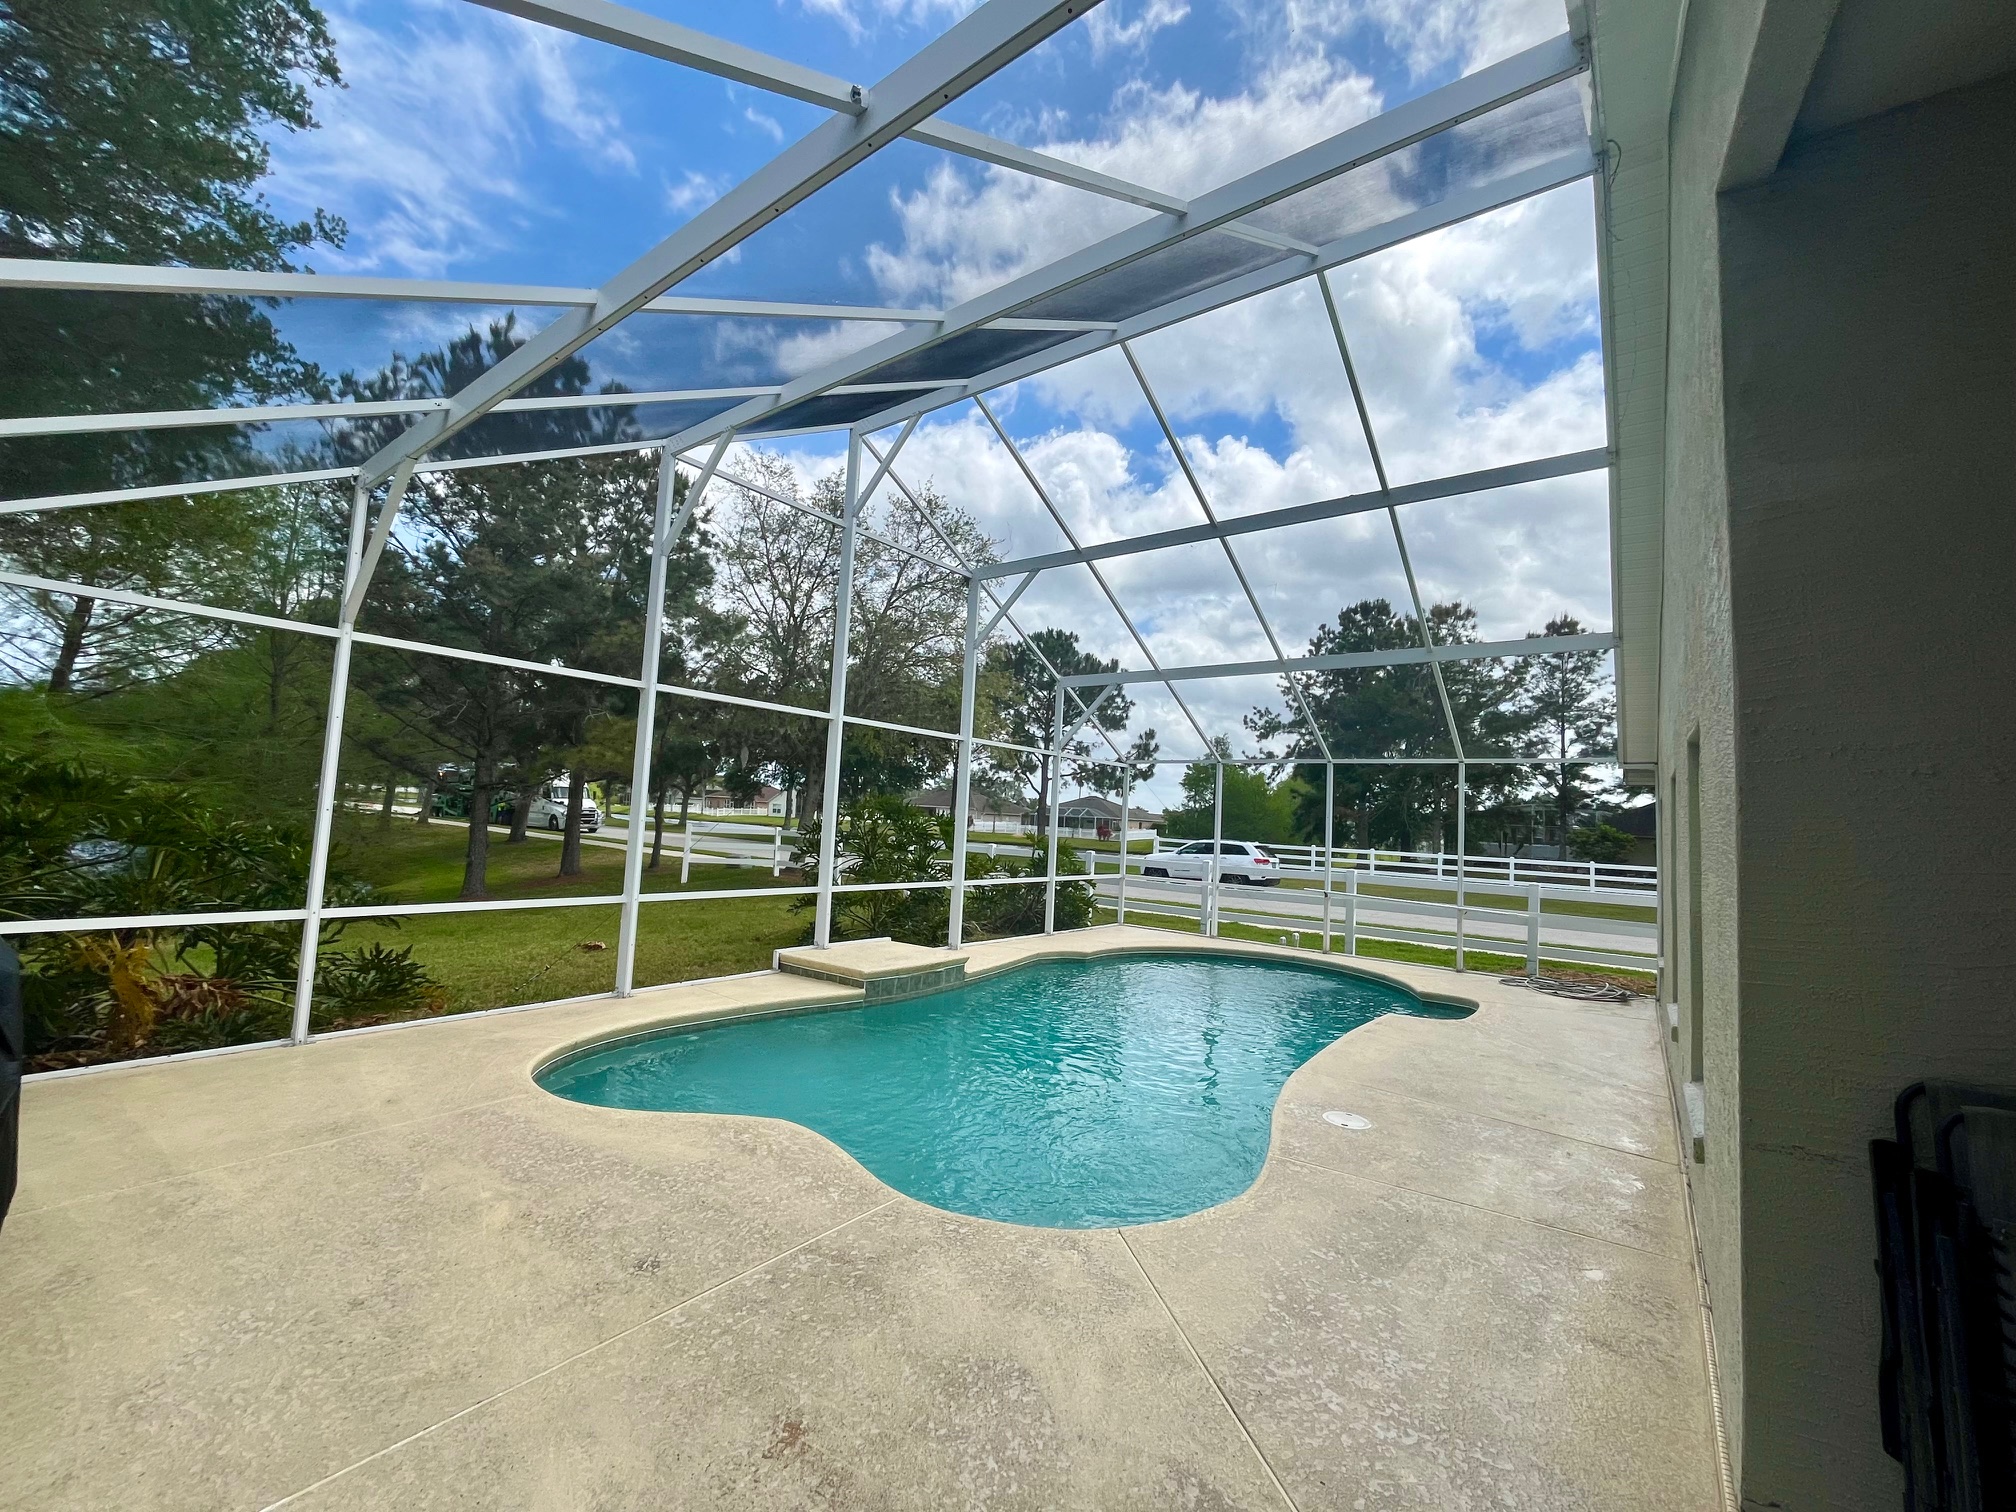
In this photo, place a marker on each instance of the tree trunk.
(657, 826)
(276, 678)
(391, 796)
(476, 860)
(75, 624)
(570, 843)
(426, 814)
(521, 815)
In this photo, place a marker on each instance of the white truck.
(549, 809)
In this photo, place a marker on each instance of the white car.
(549, 810)
(1238, 861)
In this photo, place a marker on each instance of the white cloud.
(814, 344)
(1434, 36)
(767, 124)
(693, 191)
(424, 151)
(1118, 25)
(857, 16)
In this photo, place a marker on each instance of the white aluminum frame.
(903, 104)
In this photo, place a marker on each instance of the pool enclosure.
(1101, 339)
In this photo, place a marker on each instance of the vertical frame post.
(1532, 929)
(1217, 841)
(836, 723)
(1462, 804)
(328, 781)
(1351, 911)
(1126, 810)
(1329, 846)
(1056, 792)
(666, 526)
(962, 769)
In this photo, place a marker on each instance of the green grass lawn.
(1397, 950)
(496, 960)
(422, 863)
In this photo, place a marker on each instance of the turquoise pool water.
(1065, 1094)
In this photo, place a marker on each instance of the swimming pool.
(1065, 1094)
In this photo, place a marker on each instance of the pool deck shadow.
(386, 1270)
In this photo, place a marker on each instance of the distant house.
(1089, 814)
(984, 811)
(1642, 825)
(768, 800)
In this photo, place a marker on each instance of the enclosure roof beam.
(633, 30)
(269, 414)
(1417, 119)
(1323, 509)
(1400, 656)
(969, 52)
(128, 278)
(1566, 465)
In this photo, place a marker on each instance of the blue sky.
(472, 145)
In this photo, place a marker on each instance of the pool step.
(881, 968)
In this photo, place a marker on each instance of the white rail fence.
(1357, 905)
(1515, 869)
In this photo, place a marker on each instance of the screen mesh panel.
(966, 355)
(1520, 135)
(1157, 278)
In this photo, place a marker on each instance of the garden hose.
(1581, 992)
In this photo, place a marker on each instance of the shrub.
(1599, 842)
(883, 839)
(78, 840)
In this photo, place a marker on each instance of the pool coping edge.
(705, 1015)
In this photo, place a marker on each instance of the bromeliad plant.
(80, 841)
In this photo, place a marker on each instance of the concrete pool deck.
(386, 1270)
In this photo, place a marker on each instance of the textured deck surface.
(389, 1271)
